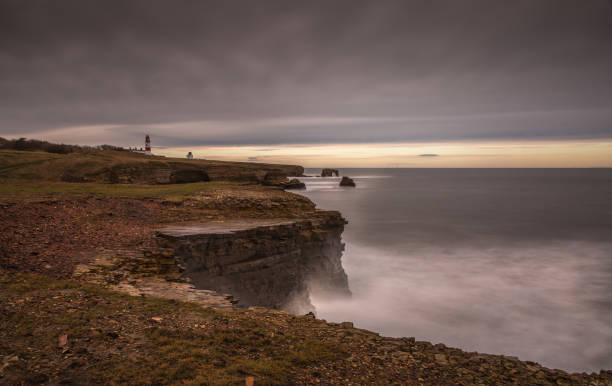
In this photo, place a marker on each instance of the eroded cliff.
(268, 263)
(264, 246)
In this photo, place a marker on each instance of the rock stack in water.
(347, 181)
(329, 173)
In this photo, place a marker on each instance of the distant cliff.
(107, 166)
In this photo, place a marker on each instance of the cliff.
(264, 263)
(132, 168)
(258, 258)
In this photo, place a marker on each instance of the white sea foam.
(515, 262)
(548, 304)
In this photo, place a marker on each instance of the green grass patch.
(173, 192)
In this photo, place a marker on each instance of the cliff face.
(173, 172)
(265, 263)
(132, 168)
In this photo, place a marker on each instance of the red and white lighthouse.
(147, 144)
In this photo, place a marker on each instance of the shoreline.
(112, 244)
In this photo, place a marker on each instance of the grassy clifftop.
(107, 166)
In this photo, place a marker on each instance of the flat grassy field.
(14, 189)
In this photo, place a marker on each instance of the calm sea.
(505, 261)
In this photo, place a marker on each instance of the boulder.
(346, 181)
(329, 173)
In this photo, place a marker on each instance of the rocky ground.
(54, 234)
(52, 237)
(57, 329)
(72, 333)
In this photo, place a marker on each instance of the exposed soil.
(52, 237)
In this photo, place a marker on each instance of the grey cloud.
(306, 72)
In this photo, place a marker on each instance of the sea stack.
(347, 181)
(329, 173)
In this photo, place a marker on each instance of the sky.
(477, 83)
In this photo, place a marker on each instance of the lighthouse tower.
(147, 145)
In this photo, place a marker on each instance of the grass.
(31, 174)
(113, 340)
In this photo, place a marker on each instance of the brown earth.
(52, 237)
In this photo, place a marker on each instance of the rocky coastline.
(262, 263)
(89, 279)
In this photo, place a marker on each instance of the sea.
(502, 261)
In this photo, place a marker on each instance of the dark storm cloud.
(261, 72)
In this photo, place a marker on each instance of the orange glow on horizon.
(444, 155)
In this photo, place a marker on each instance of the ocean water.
(503, 261)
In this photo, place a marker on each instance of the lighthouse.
(147, 148)
(147, 145)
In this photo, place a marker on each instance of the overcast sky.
(200, 73)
